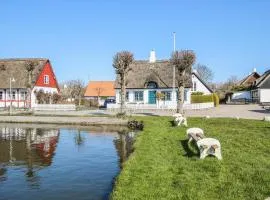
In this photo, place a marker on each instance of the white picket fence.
(141, 106)
(54, 107)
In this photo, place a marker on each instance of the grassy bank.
(163, 166)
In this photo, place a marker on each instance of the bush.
(197, 93)
(202, 98)
(135, 125)
(89, 103)
(216, 99)
(121, 115)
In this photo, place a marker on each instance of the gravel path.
(63, 120)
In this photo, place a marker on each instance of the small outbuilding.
(100, 91)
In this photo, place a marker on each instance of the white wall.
(18, 102)
(200, 87)
(241, 95)
(171, 103)
(45, 89)
(264, 95)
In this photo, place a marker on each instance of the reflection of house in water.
(30, 146)
(124, 145)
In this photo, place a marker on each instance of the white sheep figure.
(179, 119)
(198, 132)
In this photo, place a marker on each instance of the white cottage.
(260, 91)
(147, 78)
(19, 77)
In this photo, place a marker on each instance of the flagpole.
(174, 68)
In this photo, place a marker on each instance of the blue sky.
(80, 37)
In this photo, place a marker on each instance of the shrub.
(216, 99)
(135, 125)
(121, 115)
(201, 98)
(197, 93)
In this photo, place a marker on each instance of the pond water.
(60, 163)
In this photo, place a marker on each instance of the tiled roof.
(100, 88)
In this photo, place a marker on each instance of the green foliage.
(240, 88)
(88, 103)
(164, 166)
(121, 115)
(216, 99)
(160, 95)
(202, 98)
(197, 93)
(135, 125)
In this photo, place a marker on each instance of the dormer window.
(46, 79)
(152, 85)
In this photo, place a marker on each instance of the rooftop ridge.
(22, 59)
(147, 61)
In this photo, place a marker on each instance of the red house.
(21, 79)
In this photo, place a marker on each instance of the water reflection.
(46, 161)
(31, 147)
(124, 145)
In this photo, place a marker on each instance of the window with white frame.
(13, 95)
(138, 95)
(127, 96)
(185, 95)
(167, 96)
(46, 79)
(1, 95)
(195, 86)
(23, 95)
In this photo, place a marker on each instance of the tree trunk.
(123, 93)
(180, 100)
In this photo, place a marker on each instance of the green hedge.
(202, 98)
(197, 93)
(205, 98)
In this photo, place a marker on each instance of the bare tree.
(30, 66)
(232, 81)
(121, 63)
(182, 61)
(73, 89)
(99, 90)
(204, 72)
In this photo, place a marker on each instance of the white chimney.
(152, 57)
(254, 70)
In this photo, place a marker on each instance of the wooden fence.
(54, 107)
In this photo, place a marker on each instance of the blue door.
(152, 97)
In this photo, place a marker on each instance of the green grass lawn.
(163, 166)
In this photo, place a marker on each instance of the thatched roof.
(248, 80)
(263, 81)
(143, 72)
(16, 68)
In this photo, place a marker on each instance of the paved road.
(241, 111)
(251, 111)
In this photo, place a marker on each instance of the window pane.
(139, 96)
(167, 96)
(185, 95)
(127, 96)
